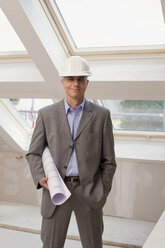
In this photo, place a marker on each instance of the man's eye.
(81, 79)
(70, 79)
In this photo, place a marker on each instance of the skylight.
(28, 108)
(111, 23)
(9, 40)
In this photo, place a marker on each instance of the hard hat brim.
(88, 74)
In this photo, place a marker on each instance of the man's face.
(75, 86)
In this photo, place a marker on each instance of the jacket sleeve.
(108, 162)
(34, 155)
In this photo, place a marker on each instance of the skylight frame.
(61, 29)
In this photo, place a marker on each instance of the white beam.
(128, 70)
(163, 8)
(25, 90)
(141, 90)
(112, 79)
(96, 90)
(19, 72)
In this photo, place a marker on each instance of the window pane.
(137, 115)
(28, 108)
(105, 23)
(9, 41)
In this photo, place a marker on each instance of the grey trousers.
(89, 221)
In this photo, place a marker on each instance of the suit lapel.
(87, 115)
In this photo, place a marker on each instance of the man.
(79, 136)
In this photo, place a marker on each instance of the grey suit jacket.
(94, 146)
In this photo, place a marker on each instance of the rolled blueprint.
(59, 193)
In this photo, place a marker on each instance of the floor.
(20, 227)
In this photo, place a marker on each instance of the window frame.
(66, 39)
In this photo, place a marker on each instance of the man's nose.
(76, 82)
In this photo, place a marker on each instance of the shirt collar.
(67, 107)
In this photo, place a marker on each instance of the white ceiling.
(123, 74)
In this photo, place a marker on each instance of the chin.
(75, 94)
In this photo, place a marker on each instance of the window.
(104, 23)
(28, 108)
(137, 115)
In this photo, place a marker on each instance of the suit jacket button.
(71, 146)
(65, 167)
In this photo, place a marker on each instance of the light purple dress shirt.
(73, 117)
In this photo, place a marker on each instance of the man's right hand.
(43, 182)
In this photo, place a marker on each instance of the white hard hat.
(75, 66)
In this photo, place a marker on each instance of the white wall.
(15, 180)
(138, 188)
